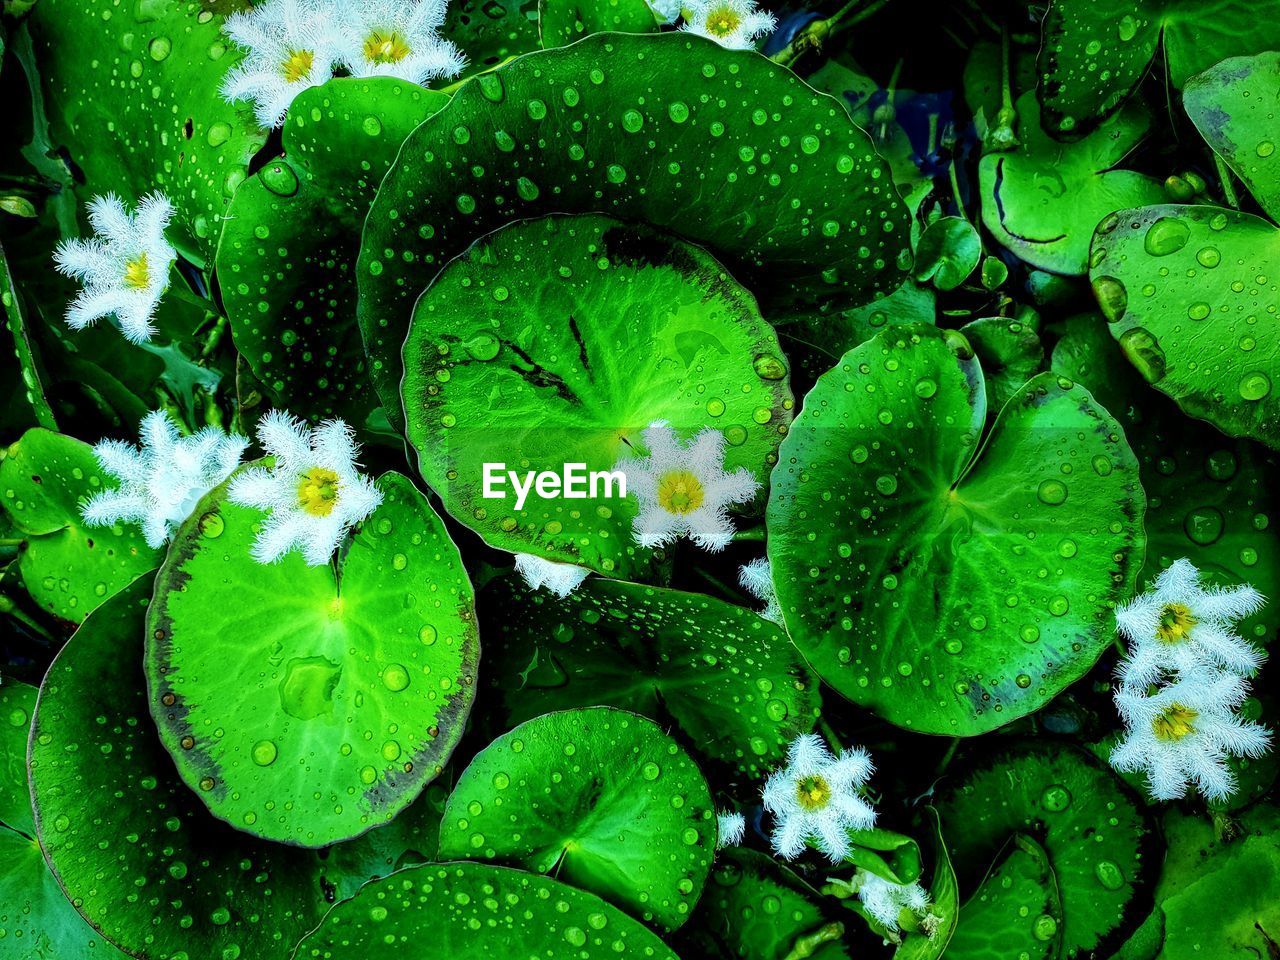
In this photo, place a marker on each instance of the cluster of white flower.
(817, 798)
(756, 578)
(313, 491)
(295, 44)
(736, 24)
(1182, 683)
(560, 578)
(884, 900)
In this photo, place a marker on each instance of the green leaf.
(1043, 199)
(1016, 912)
(17, 703)
(36, 920)
(948, 252)
(598, 797)
(1010, 353)
(1208, 497)
(132, 91)
(726, 681)
(637, 127)
(564, 21)
(344, 690)
(1097, 840)
(755, 908)
(474, 911)
(1232, 104)
(289, 288)
(557, 318)
(947, 585)
(68, 568)
(1095, 52)
(945, 897)
(33, 389)
(1184, 288)
(489, 32)
(114, 819)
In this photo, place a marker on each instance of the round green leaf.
(1016, 912)
(37, 922)
(558, 341)
(757, 909)
(1232, 104)
(1089, 824)
(599, 797)
(948, 585)
(723, 147)
(723, 679)
(564, 21)
(288, 288)
(133, 91)
(1095, 52)
(1043, 199)
(1010, 353)
(1184, 289)
(489, 32)
(68, 567)
(17, 703)
(1208, 497)
(308, 704)
(948, 252)
(474, 911)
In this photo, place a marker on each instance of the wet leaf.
(1016, 911)
(489, 32)
(724, 680)
(948, 589)
(1043, 199)
(1009, 352)
(1184, 289)
(560, 319)
(564, 21)
(565, 131)
(289, 288)
(17, 703)
(339, 705)
(621, 810)
(947, 253)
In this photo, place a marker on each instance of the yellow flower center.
(723, 21)
(1174, 723)
(680, 492)
(385, 46)
(297, 65)
(318, 491)
(813, 792)
(137, 274)
(1175, 623)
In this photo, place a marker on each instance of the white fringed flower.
(124, 266)
(313, 491)
(757, 579)
(560, 578)
(291, 44)
(684, 490)
(732, 827)
(1180, 626)
(735, 24)
(885, 900)
(162, 480)
(398, 38)
(1183, 733)
(816, 797)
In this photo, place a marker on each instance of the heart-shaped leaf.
(724, 680)
(1016, 912)
(133, 92)
(1095, 52)
(1096, 838)
(288, 288)
(948, 585)
(558, 341)
(1189, 293)
(948, 252)
(308, 704)
(1010, 353)
(801, 207)
(599, 797)
(1043, 199)
(67, 566)
(1232, 104)
(474, 911)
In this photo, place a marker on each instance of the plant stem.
(1228, 185)
(817, 32)
(1006, 91)
(751, 533)
(947, 757)
(214, 337)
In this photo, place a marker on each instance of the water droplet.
(1167, 235)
